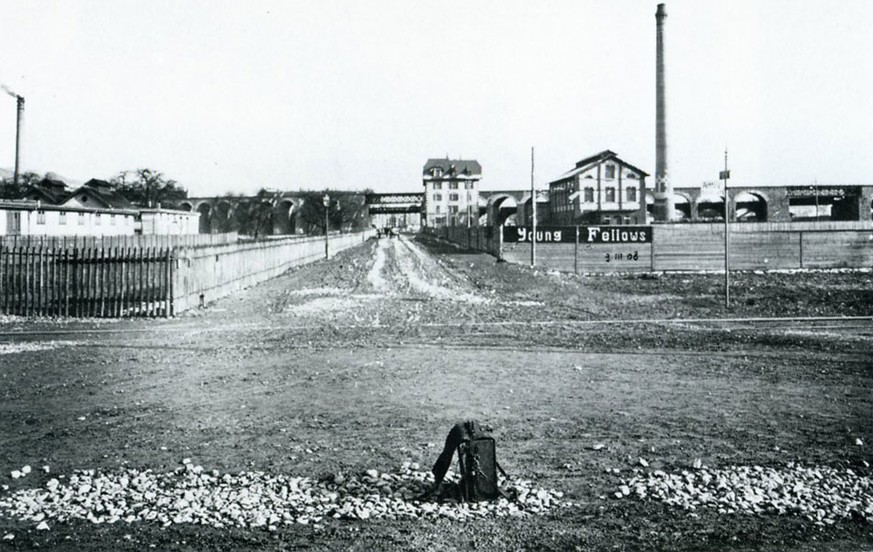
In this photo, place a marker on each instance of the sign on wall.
(587, 234)
(615, 234)
(822, 191)
(545, 234)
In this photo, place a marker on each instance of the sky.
(229, 96)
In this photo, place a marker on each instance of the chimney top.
(662, 11)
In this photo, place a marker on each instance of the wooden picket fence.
(120, 278)
(86, 282)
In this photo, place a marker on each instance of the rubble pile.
(191, 494)
(820, 494)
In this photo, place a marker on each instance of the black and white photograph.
(390, 275)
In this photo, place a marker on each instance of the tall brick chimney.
(664, 202)
(18, 127)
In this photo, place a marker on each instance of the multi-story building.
(601, 189)
(451, 192)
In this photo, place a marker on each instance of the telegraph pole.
(724, 175)
(533, 213)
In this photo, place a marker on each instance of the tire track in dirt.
(426, 276)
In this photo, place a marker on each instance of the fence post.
(171, 274)
(801, 248)
(39, 280)
(91, 263)
(103, 278)
(576, 253)
(72, 281)
(4, 275)
(66, 281)
(29, 277)
(138, 277)
(653, 248)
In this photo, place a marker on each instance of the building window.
(468, 185)
(438, 197)
(437, 185)
(589, 195)
(610, 172)
(81, 219)
(631, 194)
(610, 195)
(453, 208)
(437, 210)
(40, 217)
(112, 219)
(437, 172)
(97, 219)
(62, 217)
(453, 197)
(631, 176)
(453, 185)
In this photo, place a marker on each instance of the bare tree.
(9, 190)
(147, 187)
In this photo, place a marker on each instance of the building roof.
(605, 155)
(32, 205)
(460, 167)
(102, 193)
(48, 190)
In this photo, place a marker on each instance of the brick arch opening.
(682, 206)
(222, 217)
(205, 210)
(284, 215)
(501, 208)
(750, 206)
(710, 208)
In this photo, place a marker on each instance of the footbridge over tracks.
(398, 210)
(392, 204)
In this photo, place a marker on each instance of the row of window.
(452, 209)
(453, 185)
(452, 197)
(609, 194)
(62, 218)
(609, 173)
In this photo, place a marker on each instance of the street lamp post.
(326, 200)
(724, 175)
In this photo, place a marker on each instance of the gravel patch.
(12, 348)
(820, 494)
(193, 495)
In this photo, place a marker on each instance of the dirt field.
(595, 386)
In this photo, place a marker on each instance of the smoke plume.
(9, 91)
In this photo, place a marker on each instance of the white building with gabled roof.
(601, 189)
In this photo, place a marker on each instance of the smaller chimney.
(18, 128)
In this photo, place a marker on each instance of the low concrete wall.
(220, 270)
